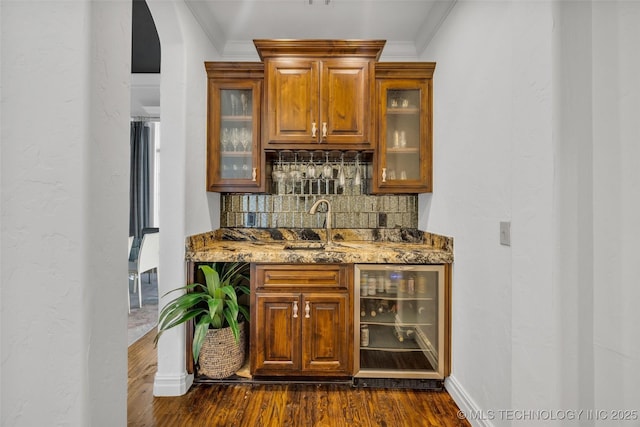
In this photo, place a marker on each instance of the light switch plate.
(505, 233)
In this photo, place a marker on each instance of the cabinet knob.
(295, 309)
(324, 129)
(314, 129)
(384, 174)
(254, 175)
(307, 310)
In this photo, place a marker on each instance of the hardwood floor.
(248, 405)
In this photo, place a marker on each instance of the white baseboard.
(466, 404)
(170, 385)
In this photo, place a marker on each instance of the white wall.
(481, 100)
(65, 158)
(535, 121)
(616, 205)
(185, 207)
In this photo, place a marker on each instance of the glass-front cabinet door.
(404, 156)
(234, 154)
(401, 321)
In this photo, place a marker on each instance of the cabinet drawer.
(296, 276)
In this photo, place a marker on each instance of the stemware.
(225, 139)
(295, 174)
(244, 103)
(235, 139)
(357, 178)
(234, 104)
(311, 168)
(327, 169)
(278, 175)
(341, 175)
(245, 139)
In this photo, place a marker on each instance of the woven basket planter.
(221, 356)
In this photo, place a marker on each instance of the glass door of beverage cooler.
(399, 321)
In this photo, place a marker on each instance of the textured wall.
(542, 132)
(65, 159)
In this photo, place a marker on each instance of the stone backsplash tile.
(290, 211)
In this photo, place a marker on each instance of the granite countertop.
(351, 246)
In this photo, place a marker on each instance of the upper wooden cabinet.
(320, 95)
(319, 92)
(403, 158)
(235, 158)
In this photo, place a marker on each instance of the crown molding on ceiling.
(396, 50)
(436, 16)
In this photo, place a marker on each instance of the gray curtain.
(139, 196)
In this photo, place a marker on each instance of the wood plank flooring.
(248, 405)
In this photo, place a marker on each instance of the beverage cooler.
(400, 322)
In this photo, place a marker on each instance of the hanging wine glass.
(295, 174)
(342, 180)
(357, 178)
(311, 168)
(327, 169)
(278, 175)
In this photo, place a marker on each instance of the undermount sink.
(304, 245)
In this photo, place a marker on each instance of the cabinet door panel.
(292, 100)
(325, 333)
(234, 154)
(346, 100)
(403, 161)
(277, 334)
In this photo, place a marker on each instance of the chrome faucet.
(328, 220)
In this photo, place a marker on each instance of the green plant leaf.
(214, 305)
(215, 310)
(233, 323)
(212, 279)
(245, 312)
(229, 292)
(177, 307)
(185, 288)
(199, 336)
(168, 324)
(243, 289)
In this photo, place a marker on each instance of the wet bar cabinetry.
(308, 306)
(403, 160)
(235, 159)
(301, 320)
(319, 94)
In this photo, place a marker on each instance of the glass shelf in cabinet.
(236, 153)
(403, 150)
(382, 338)
(237, 118)
(400, 110)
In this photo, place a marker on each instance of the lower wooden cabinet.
(302, 322)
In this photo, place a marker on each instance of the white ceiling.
(407, 26)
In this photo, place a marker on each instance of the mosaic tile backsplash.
(291, 211)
